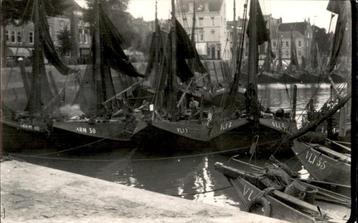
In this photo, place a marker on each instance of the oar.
(340, 145)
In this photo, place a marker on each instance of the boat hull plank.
(321, 166)
(279, 209)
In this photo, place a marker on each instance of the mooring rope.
(45, 157)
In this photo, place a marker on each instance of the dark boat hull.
(234, 135)
(18, 136)
(279, 209)
(321, 166)
(102, 136)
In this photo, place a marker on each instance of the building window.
(19, 37)
(287, 44)
(7, 36)
(299, 43)
(80, 35)
(201, 19)
(62, 24)
(31, 37)
(213, 21)
(287, 53)
(86, 36)
(13, 36)
(202, 36)
(213, 31)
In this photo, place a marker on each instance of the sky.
(288, 10)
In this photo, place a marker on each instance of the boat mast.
(191, 62)
(156, 64)
(97, 57)
(172, 75)
(279, 49)
(253, 46)
(194, 20)
(34, 103)
(234, 42)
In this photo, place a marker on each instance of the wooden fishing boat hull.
(247, 179)
(199, 131)
(100, 135)
(321, 166)
(279, 209)
(266, 78)
(229, 135)
(18, 136)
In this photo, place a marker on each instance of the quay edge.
(32, 193)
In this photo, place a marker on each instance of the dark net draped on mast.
(111, 46)
(48, 46)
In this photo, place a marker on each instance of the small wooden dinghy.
(274, 193)
(323, 163)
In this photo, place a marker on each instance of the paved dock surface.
(32, 193)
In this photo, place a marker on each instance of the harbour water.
(191, 176)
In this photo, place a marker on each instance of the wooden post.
(201, 108)
(294, 102)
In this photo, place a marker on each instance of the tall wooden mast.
(253, 46)
(194, 20)
(97, 58)
(173, 72)
(34, 103)
(156, 64)
(234, 43)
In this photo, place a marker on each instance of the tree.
(65, 42)
(135, 32)
(321, 38)
(18, 12)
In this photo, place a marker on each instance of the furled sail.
(262, 32)
(156, 47)
(112, 52)
(48, 46)
(41, 97)
(341, 8)
(97, 84)
(185, 51)
(293, 58)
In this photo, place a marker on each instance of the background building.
(302, 38)
(19, 40)
(210, 25)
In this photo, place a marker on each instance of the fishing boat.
(273, 191)
(105, 114)
(323, 163)
(213, 127)
(330, 161)
(31, 126)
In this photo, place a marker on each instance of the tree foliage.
(18, 12)
(65, 43)
(322, 38)
(134, 31)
